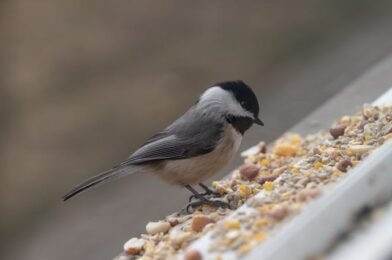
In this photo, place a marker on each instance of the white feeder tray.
(319, 224)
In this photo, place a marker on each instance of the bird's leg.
(207, 192)
(203, 201)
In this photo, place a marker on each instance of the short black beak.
(258, 121)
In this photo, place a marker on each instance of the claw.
(207, 192)
(204, 201)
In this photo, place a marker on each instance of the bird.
(196, 146)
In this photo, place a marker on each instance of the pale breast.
(198, 169)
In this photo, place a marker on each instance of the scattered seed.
(337, 130)
(193, 255)
(153, 228)
(133, 246)
(291, 172)
(360, 149)
(344, 164)
(199, 222)
(285, 149)
(249, 171)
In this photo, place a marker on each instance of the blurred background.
(84, 83)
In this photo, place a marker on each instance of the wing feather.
(183, 139)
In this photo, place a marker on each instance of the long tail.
(114, 172)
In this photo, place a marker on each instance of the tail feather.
(114, 172)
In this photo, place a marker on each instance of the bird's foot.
(201, 200)
(207, 192)
(190, 208)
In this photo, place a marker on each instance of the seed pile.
(275, 182)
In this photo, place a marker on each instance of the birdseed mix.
(275, 183)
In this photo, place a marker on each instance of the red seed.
(337, 130)
(193, 255)
(249, 171)
(344, 164)
(262, 179)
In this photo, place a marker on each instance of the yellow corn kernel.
(295, 169)
(214, 184)
(209, 208)
(251, 159)
(232, 224)
(355, 162)
(245, 248)
(197, 212)
(261, 223)
(245, 191)
(295, 139)
(337, 172)
(318, 165)
(301, 151)
(286, 195)
(266, 208)
(259, 237)
(349, 152)
(268, 186)
(285, 150)
(345, 120)
(264, 162)
(355, 120)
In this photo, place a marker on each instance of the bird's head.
(235, 101)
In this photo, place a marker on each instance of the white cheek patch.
(224, 100)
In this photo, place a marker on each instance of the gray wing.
(191, 135)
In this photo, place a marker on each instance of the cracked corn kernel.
(286, 195)
(245, 248)
(295, 139)
(295, 169)
(264, 162)
(322, 148)
(245, 191)
(354, 162)
(318, 165)
(263, 209)
(301, 151)
(218, 187)
(232, 224)
(268, 186)
(345, 120)
(261, 223)
(337, 172)
(259, 237)
(285, 150)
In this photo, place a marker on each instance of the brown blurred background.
(83, 83)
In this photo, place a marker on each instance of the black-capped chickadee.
(197, 145)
